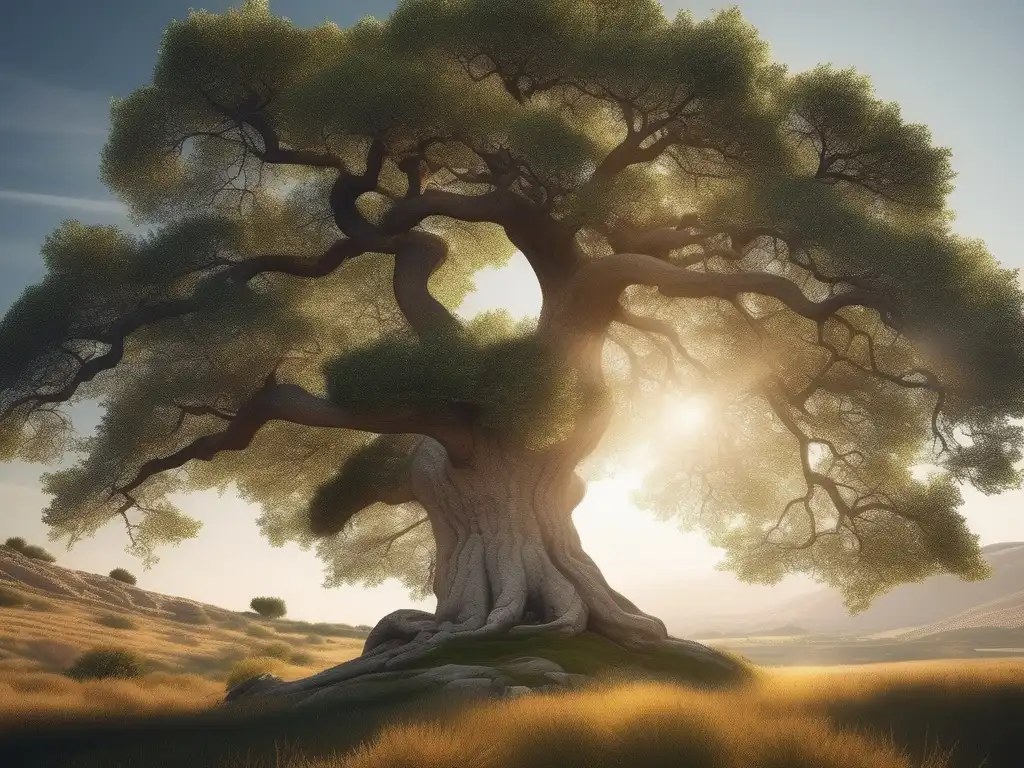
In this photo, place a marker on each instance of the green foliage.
(248, 668)
(255, 630)
(301, 658)
(268, 607)
(116, 622)
(382, 464)
(11, 598)
(191, 614)
(518, 385)
(120, 574)
(281, 651)
(32, 551)
(104, 663)
(542, 93)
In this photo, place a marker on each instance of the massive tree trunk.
(509, 562)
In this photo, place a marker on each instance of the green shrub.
(120, 574)
(116, 622)
(11, 598)
(269, 607)
(190, 614)
(38, 604)
(246, 669)
(281, 651)
(19, 545)
(232, 621)
(101, 663)
(257, 631)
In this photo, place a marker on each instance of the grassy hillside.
(928, 715)
(949, 714)
(933, 605)
(187, 663)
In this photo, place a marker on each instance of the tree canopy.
(320, 199)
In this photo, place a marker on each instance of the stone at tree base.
(449, 672)
(492, 681)
(567, 679)
(476, 685)
(253, 686)
(531, 665)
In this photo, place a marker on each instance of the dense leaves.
(831, 442)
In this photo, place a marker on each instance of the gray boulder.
(531, 665)
(253, 686)
(567, 679)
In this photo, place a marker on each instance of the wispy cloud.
(33, 106)
(58, 201)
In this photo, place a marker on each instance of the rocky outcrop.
(514, 678)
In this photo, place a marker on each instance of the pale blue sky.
(955, 65)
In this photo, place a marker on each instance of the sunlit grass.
(796, 717)
(784, 718)
(639, 724)
(27, 696)
(187, 665)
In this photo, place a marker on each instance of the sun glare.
(686, 416)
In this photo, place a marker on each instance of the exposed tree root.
(509, 563)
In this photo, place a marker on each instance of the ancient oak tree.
(701, 222)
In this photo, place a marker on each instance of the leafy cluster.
(122, 575)
(570, 131)
(32, 551)
(269, 607)
(515, 383)
(104, 663)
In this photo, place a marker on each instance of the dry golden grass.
(189, 664)
(809, 685)
(641, 724)
(780, 721)
(776, 722)
(27, 696)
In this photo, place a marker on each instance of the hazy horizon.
(951, 65)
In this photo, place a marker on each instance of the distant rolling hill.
(938, 604)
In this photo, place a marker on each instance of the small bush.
(18, 544)
(314, 639)
(190, 614)
(232, 621)
(102, 663)
(38, 604)
(246, 669)
(281, 651)
(301, 658)
(116, 622)
(120, 574)
(257, 631)
(11, 598)
(180, 638)
(269, 607)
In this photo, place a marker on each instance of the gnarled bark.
(509, 562)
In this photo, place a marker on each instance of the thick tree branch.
(658, 242)
(544, 242)
(114, 334)
(291, 403)
(419, 256)
(657, 326)
(593, 297)
(250, 112)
